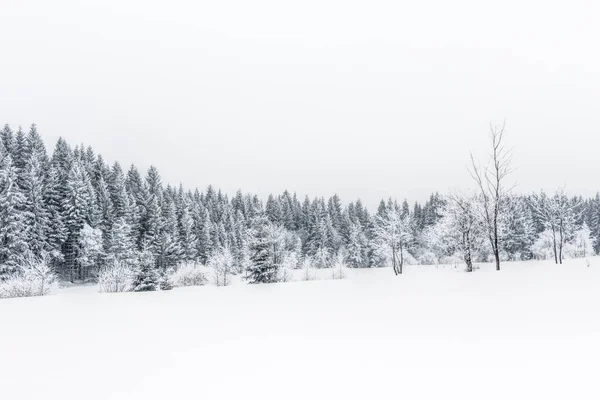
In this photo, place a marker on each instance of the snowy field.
(530, 331)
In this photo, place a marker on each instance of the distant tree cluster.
(85, 217)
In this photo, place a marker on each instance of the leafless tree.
(490, 181)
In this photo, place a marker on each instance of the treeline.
(82, 214)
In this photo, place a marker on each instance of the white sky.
(367, 99)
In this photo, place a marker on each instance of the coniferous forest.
(67, 209)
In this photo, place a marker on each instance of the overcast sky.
(368, 99)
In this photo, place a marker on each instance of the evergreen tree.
(121, 247)
(77, 211)
(13, 219)
(147, 278)
(36, 213)
(264, 265)
(57, 232)
(7, 139)
(187, 237)
(20, 156)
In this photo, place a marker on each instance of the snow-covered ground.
(530, 331)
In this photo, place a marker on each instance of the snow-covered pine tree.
(105, 207)
(57, 233)
(518, 232)
(20, 156)
(357, 247)
(77, 211)
(7, 139)
(204, 230)
(147, 277)
(120, 246)
(187, 236)
(594, 220)
(274, 210)
(35, 146)
(14, 234)
(334, 209)
(36, 213)
(264, 264)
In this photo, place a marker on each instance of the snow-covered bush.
(543, 247)
(188, 274)
(116, 277)
(33, 278)
(223, 265)
(453, 260)
(428, 258)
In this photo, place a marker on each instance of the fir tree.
(263, 266)
(37, 215)
(13, 219)
(7, 139)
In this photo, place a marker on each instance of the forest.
(68, 215)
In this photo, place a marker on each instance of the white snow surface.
(530, 331)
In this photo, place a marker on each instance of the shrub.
(116, 277)
(187, 274)
(428, 258)
(33, 278)
(453, 260)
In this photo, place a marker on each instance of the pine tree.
(118, 191)
(274, 210)
(105, 207)
(356, 247)
(263, 266)
(57, 233)
(13, 220)
(7, 138)
(77, 213)
(187, 237)
(121, 247)
(203, 233)
(20, 156)
(518, 233)
(37, 215)
(35, 146)
(147, 278)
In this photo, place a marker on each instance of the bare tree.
(490, 182)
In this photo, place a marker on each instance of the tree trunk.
(554, 243)
(497, 256)
(401, 260)
(467, 253)
(496, 249)
(560, 248)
